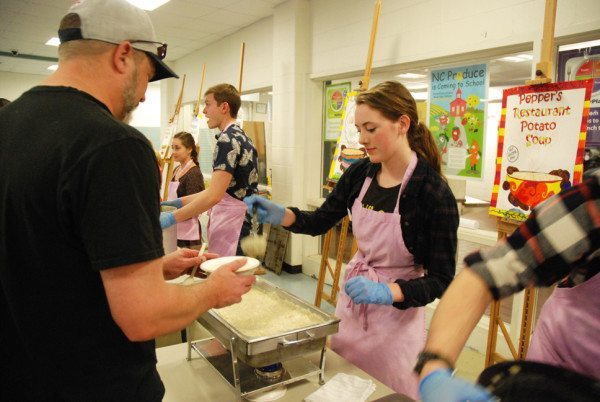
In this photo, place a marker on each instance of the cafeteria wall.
(307, 42)
(12, 85)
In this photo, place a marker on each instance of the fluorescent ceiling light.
(416, 85)
(53, 41)
(581, 45)
(411, 75)
(148, 4)
(53, 67)
(526, 56)
(518, 58)
(420, 95)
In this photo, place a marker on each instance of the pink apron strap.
(361, 267)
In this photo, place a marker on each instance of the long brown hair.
(187, 140)
(393, 100)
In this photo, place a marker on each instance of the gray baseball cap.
(115, 21)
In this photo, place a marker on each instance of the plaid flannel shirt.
(560, 241)
(429, 219)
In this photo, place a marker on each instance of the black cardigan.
(429, 219)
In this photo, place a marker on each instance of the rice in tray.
(266, 313)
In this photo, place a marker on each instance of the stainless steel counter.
(198, 381)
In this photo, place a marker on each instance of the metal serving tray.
(263, 351)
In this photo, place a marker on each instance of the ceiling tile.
(186, 25)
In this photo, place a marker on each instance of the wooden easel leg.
(526, 321)
(492, 333)
(323, 267)
(170, 162)
(339, 259)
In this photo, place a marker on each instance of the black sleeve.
(439, 258)
(335, 206)
(118, 209)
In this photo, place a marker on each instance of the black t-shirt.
(379, 198)
(69, 211)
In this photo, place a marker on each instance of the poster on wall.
(583, 64)
(457, 118)
(541, 143)
(334, 108)
(348, 150)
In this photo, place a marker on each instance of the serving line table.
(196, 380)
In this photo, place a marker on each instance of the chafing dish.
(236, 353)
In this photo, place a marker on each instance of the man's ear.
(122, 57)
(224, 106)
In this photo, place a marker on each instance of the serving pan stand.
(235, 356)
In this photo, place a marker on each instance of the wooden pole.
(341, 246)
(197, 107)
(241, 66)
(178, 104)
(544, 69)
(506, 226)
(364, 83)
(168, 158)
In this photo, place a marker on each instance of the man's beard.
(130, 101)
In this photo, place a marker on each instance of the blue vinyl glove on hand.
(364, 291)
(167, 219)
(268, 212)
(440, 385)
(177, 203)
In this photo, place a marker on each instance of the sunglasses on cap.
(161, 50)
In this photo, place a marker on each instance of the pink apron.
(225, 224)
(189, 229)
(382, 340)
(568, 330)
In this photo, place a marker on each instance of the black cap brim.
(162, 70)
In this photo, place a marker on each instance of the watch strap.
(425, 357)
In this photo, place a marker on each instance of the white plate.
(248, 268)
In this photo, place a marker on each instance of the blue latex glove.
(177, 203)
(268, 212)
(440, 385)
(364, 291)
(167, 219)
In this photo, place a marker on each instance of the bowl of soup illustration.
(350, 155)
(531, 188)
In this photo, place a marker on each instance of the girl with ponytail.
(187, 179)
(405, 220)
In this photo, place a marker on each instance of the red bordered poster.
(541, 142)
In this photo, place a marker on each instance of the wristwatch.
(424, 357)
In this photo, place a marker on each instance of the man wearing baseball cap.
(82, 266)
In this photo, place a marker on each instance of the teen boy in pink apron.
(235, 175)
